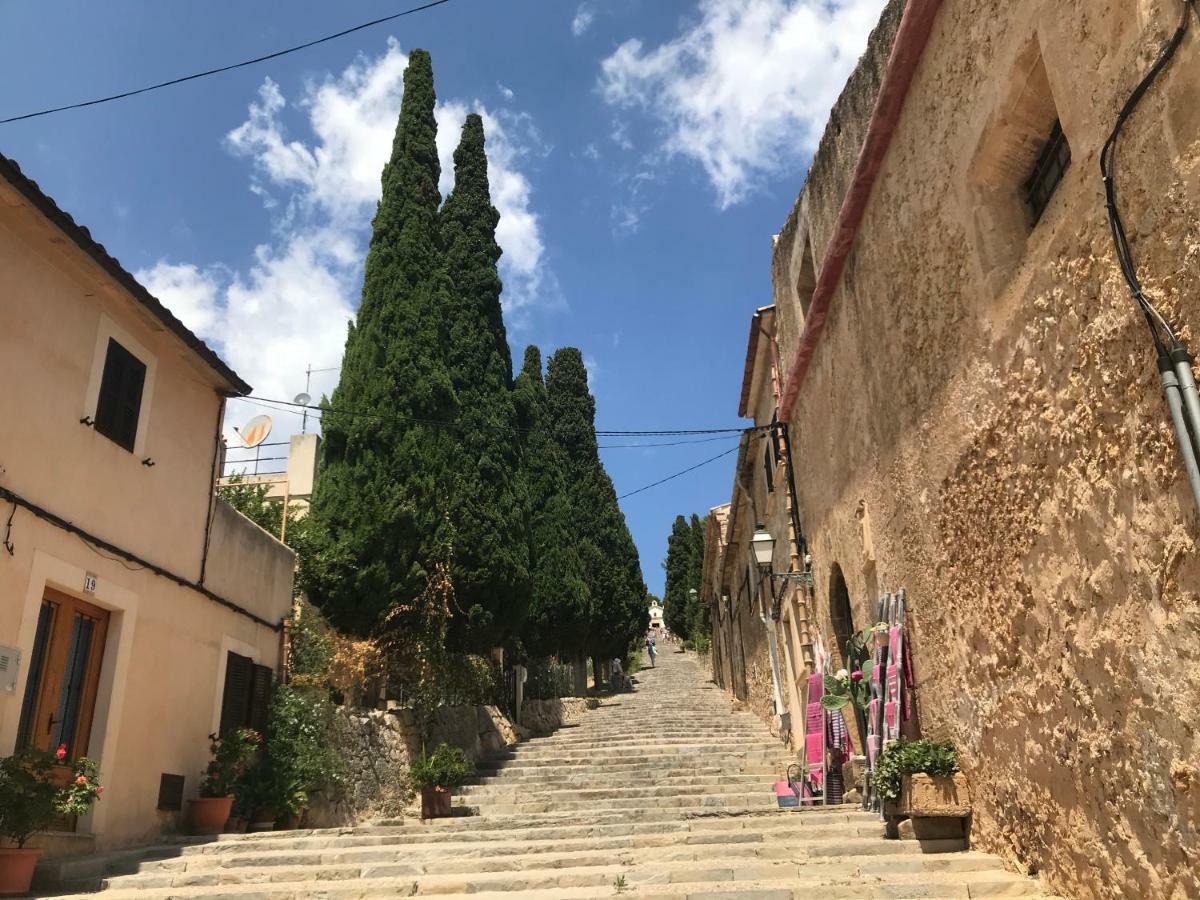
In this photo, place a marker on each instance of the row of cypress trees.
(435, 460)
(684, 567)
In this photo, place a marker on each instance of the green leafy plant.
(619, 884)
(231, 758)
(905, 757)
(30, 800)
(448, 768)
(299, 754)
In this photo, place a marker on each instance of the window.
(1048, 171)
(246, 696)
(120, 400)
(806, 281)
(768, 469)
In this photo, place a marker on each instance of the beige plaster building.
(976, 415)
(138, 614)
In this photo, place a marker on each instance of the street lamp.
(764, 553)
(764, 546)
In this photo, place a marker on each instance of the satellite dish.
(302, 400)
(255, 431)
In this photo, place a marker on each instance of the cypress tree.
(560, 606)
(678, 566)
(611, 567)
(490, 561)
(378, 508)
(698, 617)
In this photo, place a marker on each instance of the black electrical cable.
(647, 487)
(220, 69)
(291, 405)
(1108, 160)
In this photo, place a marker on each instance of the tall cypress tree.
(698, 617)
(490, 562)
(560, 605)
(678, 566)
(378, 508)
(611, 567)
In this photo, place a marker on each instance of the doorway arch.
(841, 616)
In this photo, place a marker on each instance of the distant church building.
(656, 614)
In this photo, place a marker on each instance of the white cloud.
(191, 294)
(746, 89)
(290, 306)
(505, 92)
(584, 16)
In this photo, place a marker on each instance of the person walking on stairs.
(652, 650)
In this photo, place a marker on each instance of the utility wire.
(220, 69)
(291, 406)
(1158, 324)
(683, 472)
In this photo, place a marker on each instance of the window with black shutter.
(120, 400)
(1048, 171)
(768, 469)
(247, 694)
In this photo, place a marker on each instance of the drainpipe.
(911, 38)
(772, 651)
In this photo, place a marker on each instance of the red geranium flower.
(61, 752)
(99, 790)
(856, 676)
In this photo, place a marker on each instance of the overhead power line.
(288, 405)
(217, 71)
(698, 465)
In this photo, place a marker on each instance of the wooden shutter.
(120, 400)
(235, 703)
(260, 698)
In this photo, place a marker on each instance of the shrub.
(448, 768)
(904, 757)
(30, 801)
(231, 758)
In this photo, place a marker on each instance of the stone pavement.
(665, 792)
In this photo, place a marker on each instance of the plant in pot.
(30, 801)
(437, 776)
(300, 754)
(904, 758)
(231, 758)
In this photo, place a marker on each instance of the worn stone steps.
(520, 871)
(660, 793)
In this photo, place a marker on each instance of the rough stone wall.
(379, 746)
(982, 425)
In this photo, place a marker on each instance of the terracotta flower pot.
(435, 803)
(16, 870)
(209, 814)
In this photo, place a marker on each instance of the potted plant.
(933, 767)
(231, 757)
(30, 801)
(437, 776)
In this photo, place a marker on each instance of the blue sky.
(643, 152)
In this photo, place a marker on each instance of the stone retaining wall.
(380, 745)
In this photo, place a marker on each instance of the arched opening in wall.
(841, 617)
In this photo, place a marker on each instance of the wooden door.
(64, 674)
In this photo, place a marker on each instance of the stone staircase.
(665, 792)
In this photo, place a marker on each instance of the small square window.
(1048, 172)
(120, 400)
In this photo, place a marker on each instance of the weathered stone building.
(976, 415)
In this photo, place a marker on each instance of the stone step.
(652, 880)
(683, 781)
(648, 866)
(435, 842)
(707, 827)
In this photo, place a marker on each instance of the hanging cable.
(1174, 361)
(220, 69)
(713, 459)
